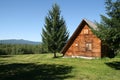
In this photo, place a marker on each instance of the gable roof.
(91, 24)
(76, 33)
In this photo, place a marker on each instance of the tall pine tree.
(54, 33)
(109, 28)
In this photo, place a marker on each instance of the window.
(76, 44)
(88, 46)
(85, 31)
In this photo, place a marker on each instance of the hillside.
(18, 41)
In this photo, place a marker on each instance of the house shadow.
(20, 71)
(114, 64)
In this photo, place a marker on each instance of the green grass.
(45, 67)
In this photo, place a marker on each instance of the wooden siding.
(85, 44)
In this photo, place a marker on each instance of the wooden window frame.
(88, 46)
(86, 31)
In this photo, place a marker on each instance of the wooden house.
(83, 42)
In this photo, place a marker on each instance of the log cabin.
(83, 42)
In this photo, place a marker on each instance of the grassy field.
(44, 67)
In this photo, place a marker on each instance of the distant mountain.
(18, 41)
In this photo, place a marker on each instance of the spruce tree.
(109, 28)
(54, 33)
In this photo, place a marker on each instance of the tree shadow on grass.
(114, 64)
(18, 71)
(5, 56)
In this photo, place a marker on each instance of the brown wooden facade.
(83, 42)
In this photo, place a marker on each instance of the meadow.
(45, 67)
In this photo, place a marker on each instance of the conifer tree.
(109, 28)
(54, 33)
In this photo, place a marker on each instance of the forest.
(11, 49)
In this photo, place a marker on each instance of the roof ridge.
(90, 23)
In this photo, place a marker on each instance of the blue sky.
(24, 19)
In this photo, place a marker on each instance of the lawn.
(44, 67)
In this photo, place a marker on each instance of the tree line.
(12, 49)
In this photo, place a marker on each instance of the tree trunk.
(55, 55)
